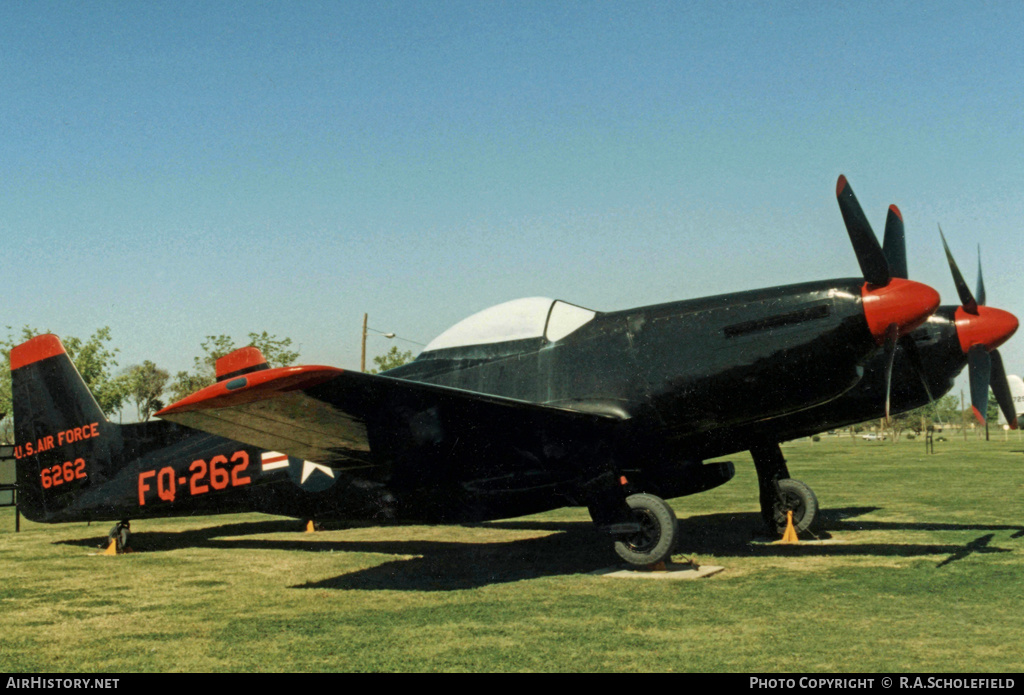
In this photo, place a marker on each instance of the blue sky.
(179, 169)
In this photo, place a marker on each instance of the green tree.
(277, 352)
(95, 362)
(144, 384)
(939, 413)
(94, 359)
(391, 359)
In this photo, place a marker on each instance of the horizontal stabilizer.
(270, 409)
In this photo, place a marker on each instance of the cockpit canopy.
(520, 319)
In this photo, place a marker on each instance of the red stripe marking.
(39, 348)
(274, 459)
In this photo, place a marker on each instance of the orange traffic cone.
(310, 528)
(790, 535)
(111, 549)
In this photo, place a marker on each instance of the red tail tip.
(896, 211)
(38, 348)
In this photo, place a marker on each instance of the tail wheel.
(656, 539)
(120, 533)
(794, 496)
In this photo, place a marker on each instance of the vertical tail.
(62, 438)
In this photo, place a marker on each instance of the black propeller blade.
(892, 334)
(979, 293)
(894, 243)
(1001, 388)
(865, 244)
(966, 298)
(913, 355)
(979, 367)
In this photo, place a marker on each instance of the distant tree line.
(940, 414)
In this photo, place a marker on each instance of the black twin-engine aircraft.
(532, 405)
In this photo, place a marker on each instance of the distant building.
(1017, 391)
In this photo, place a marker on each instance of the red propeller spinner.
(989, 327)
(906, 303)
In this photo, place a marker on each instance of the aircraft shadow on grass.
(570, 548)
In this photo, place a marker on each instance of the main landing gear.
(656, 539)
(644, 525)
(781, 494)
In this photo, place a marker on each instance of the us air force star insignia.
(308, 467)
(310, 476)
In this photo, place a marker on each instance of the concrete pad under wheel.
(682, 570)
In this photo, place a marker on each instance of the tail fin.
(61, 436)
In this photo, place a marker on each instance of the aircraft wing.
(349, 419)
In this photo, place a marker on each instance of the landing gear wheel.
(655, 540)
(119, 534)
(795, 497)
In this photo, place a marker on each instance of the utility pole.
(362, 359)
(963, 415)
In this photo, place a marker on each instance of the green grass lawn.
(924, 572)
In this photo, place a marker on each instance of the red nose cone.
(906, 303)
(990, 327)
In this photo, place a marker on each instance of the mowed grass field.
(924, 571)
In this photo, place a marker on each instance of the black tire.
(120, 534)
(657, 536)
(798, 498)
